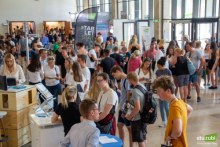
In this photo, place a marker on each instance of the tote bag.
(191, 67)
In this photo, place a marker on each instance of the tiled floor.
(204, 120)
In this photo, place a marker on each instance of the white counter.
(44, 133)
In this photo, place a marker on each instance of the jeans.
(55, 91)
(164, 110)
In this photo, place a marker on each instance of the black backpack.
(149, 111)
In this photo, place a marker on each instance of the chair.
(3, 137)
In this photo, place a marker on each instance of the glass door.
(180, 28)
(206, 32)
(128, 31)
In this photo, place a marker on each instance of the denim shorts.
(139, 131)
(123, 120)
(194, 78)
(182, 80)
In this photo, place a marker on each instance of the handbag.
(109, 117)
(190, 66)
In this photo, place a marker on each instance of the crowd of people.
(98, 82)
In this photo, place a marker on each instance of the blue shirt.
(84, 134)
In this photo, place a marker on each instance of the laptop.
(11, 82)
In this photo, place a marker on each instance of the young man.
(92, 59)
(85, 133)
(85, 70)
(118, 58)
(107, 63)
(118, 74)
(199, 62)
(138, 128)
(178, 113)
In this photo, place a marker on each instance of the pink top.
(151, 54)
(134, 63)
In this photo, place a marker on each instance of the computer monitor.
(11, 81)
(3, 83)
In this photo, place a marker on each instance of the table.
(44, 133)
(118, 142)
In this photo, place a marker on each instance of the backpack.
(149, 111)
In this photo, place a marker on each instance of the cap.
(40, 44)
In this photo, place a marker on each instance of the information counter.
(44, 133)
(19, 103)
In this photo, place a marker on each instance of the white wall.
(35, 10)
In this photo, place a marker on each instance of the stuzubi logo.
(207, 139)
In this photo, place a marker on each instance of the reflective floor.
(204, 120)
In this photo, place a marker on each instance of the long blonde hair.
(94, 90)
(5, 67)
(68, 94)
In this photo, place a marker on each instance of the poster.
(85, 29)
(103, 24)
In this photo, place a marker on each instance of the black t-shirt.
(60, 61)
(118, 58)
(181, 66)
(70, 116)
(107, 64)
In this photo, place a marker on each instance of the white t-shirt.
(89, 63)
(69, 77)
(19, 74)
(87, 75)
(110, 97)
(35, 77)
(51, 72)
(71, 81)
(141, 75)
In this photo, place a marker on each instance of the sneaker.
(198, 99)
(212, 87)
(188, 97)
(208, 84)
(215, 87)
(163, 125)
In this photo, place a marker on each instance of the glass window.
(202, 8)
(123, 10)
(79, 4)
(167, 30)
(188, 8)
(167, 9)
(131, 13)
(209, 7)
(145, 9)
(179, 9)
(217, 9)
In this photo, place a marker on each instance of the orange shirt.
(178, 110)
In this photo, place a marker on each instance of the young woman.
(212, 65)
(68, 109)
(93, 92)
(170, 55)
(164, 106)
(207, 53)
(11, 69)
(69, 73)
(78, 79)
(107, 104)
(145, 73)
(35, 70)
(182, 73)
(52, 79)
(133, 44)
(134, 62)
